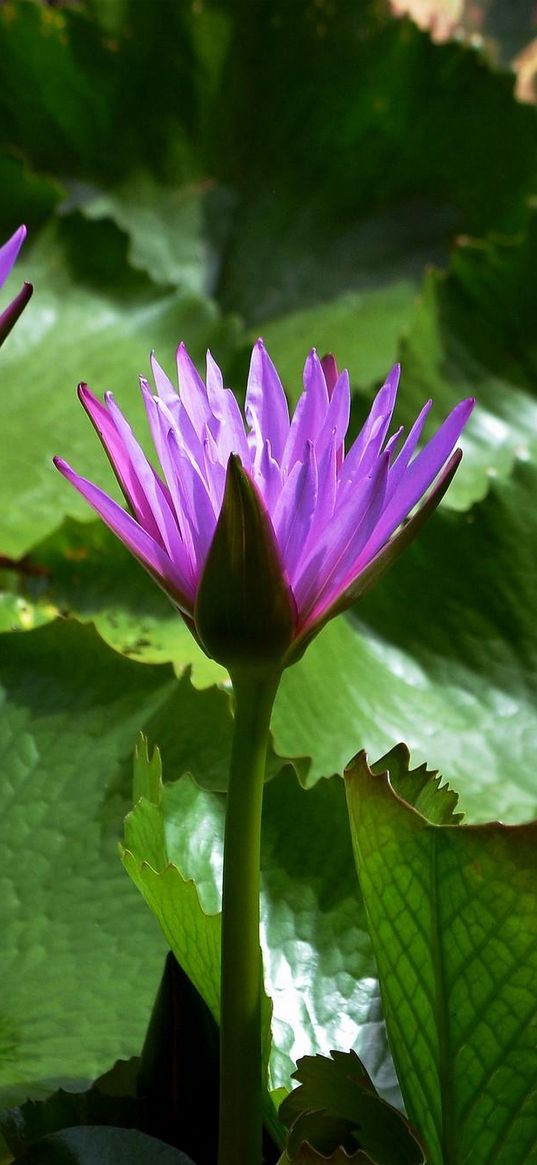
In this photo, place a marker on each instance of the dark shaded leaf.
(178, 1075)
(102, 1146)
(336, 1105)
(28, 1123)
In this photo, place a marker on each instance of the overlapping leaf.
(71, 709)
(336, 1107)
(453, 917)
(68, 714)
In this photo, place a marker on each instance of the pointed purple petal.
(309, 414)
(326, 500)
(177, 419)
(420, 474)
(400, 464)
(337, 417)
(9, 252)
(215, 383)
(395, 438)
(267, 476)
(211, 469)
(324, 508)
(192, 391)
(342, 541)
(175, 468)
(174, 577)
(166, 390)
(231, 437)
(374, 570)
(370, 440)
(348, 565)
(161, 417)
(294, 510)
(266, 407)
(119, 459)
(11, 313)
(315, 384)
(194, 500)
(158, 502)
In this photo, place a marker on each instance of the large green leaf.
(70, 711)
(453, 918)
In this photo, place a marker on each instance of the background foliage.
(318, 173)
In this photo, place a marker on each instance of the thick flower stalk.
(8, 256)
(259, 532)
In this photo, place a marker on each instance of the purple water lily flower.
(8, 256)
(332, 514)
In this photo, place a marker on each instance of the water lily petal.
(120, 460)
(175, 576)
(343, 538)
(371, 437)
(266, 407)
(309, 414)
(295, 509)
(231, 437)
(9, 252)
(166, 390)
(150, 486)
(193, 392)
(420, 474)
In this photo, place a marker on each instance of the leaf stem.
(240, 1122)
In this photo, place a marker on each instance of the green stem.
(240, 1131)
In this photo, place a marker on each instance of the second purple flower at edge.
(8, 257)
(329, 515)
